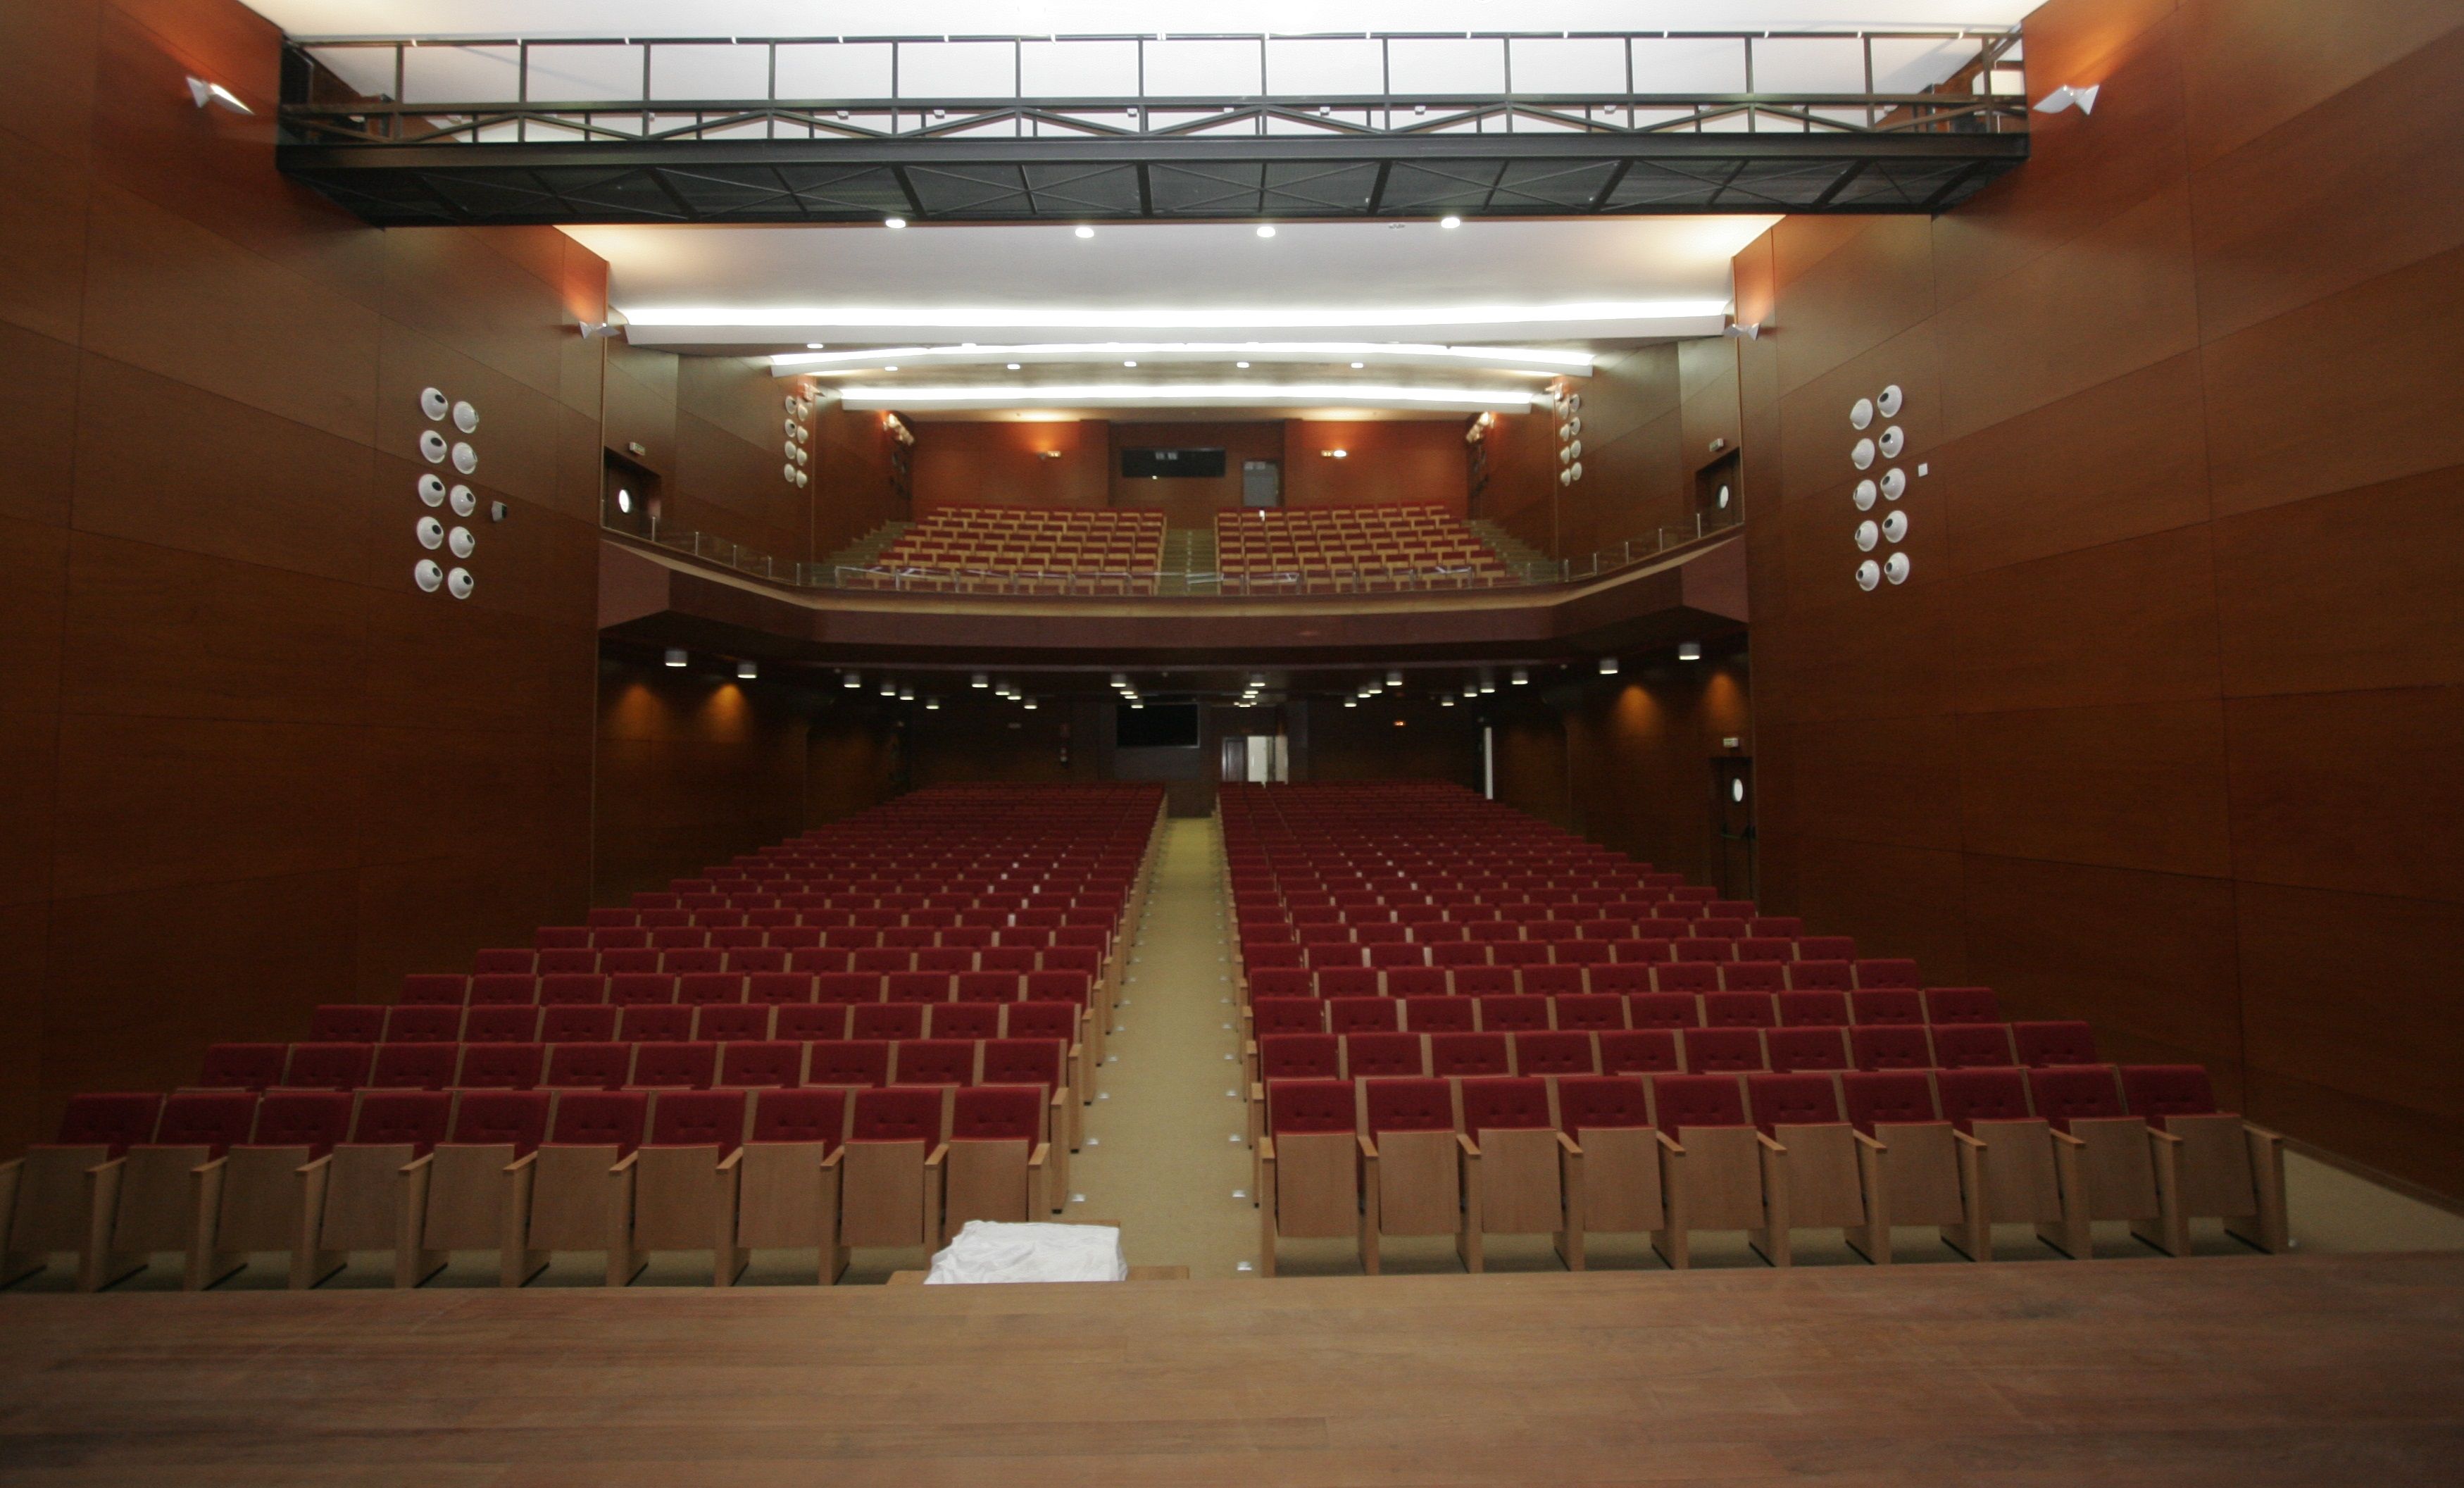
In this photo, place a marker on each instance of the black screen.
(1157, 726)
(1203, 464)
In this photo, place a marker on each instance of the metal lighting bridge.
(1120, 128)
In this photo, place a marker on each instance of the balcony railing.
(891, 577)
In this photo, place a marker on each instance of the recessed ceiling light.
(1128, 364)
(894, 222)
(892, 367)
(676, 656)
(1357, 365)
(1690, 650)
(1241, 365)
(1450, 223)
(1085, 231)
(1013, 366)
(1265, 229)
(748, 670)
(815, 346)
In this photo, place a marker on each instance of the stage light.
(1265, 229)
(203, 92)
(979, 680)
(850, 680)
(1450, 223)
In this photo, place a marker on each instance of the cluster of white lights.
(1569, 408)
(432, 532)
(1128, 689)
(1893, 484)
(797, 441)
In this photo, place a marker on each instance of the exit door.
(1262, 483)
(1732, 826)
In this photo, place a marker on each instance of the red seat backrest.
(770, 1062)
(1683, 1101)
(1972, 1095)
(1509, 1102)
(2160, 1090)
(243, 1066)
(496, 1118)
(415, 1066)
(1791, 1101)
(1722, 1050)
(1382, 1055)
(1024, 1061)
(935, 1062)
(1409, 1104)
(1795, 1049)
(1287, 1015)
(1299, 1056)
(1812, 1008)
(1738, 1010)
(698, 1118)
(313, 1119)
(800, 1116)
(886, 1021)
(1962, 1005)
(1467, 1054)
(1602, 1100)
(997, 1113)
(2076, 1092)
(574, 1066)
(1042, 1020)
(1889, 1046)
(1639, 1051)
(1888, 1096)
(329, 1066)
(848, 1061)
(1696, 976)
(1888, 1005)
(805, 1022)
(1972, 1045)
(573, 1025)
(416, 1119)
(899, 1115)
(601, 1118)
(1567, 1053)
(1305, 1105)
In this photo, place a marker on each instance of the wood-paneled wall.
(252, 767)
(1649, 416)
(2166, 728)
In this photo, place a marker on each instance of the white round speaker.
(461, 540)
(1863, 455)
(431, 446)
(1723, 502)
(1867, 534)
(1861, 413)
(432, 532)
(1868, 574)
(464, 501)
(426, 574)
(1895, 527)
(1576, 470)
(1897, 569)
(789, 427)
(431, 489)
(1895, 483)
(1566, 477)
(459, 584)
(1890, 400)
(464, 458)
(1893, 442)
(787, 473)
(1864, 495)
(803, 479)
(433, 401)
(466, 418)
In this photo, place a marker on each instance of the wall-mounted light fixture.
(979, 680)
(1608, 665)
(204, 94)
(746, 671)
(1334, 454)
(2054, 102)
(1690, 650)
(850, 680)
(676, 656)
(1519, 678)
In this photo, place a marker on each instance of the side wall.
(252, 766)
(2163, 730)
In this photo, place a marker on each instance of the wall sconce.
(1047, 454)
(1690, 650)
(2054, 102)
(1608, 665)
(203, 92)
(1750, 330)
(746, 671)
(1334, 454)
(676, 656)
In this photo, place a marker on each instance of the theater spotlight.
(203, 94)
(1520, 678)
(2068, 96)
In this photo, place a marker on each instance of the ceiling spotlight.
(1265, 229)
(1351, 702)
(1357, 365)
(1690, 650)
(1445, 702)
(747, 670)
(890, 690)
(850, 680)
(1394, 679)
(1013, 366)
(203, 92)
(979, 680)
(931, 704)
(2054, 102)
(1471, 690)
(676, 656)
(894, 222)
(815, 346)
(1487, 687)
(890, 368)
(907, 694)
(1120, 679)
(1608, 665)
(1028, 705)
(1085, 231)
(1519, 678)
(1128, 364)
(1450, 223)
(1239, 364)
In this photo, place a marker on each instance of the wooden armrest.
(1967, 1139)
(1257, 1092)
(935, 1158)
(832, 1161)
(2064, 1138)
(732, 1161)
(1768, 1143)
(107, 1165)
(211, 1164)
(1470, 1147)
(528, 1159)
(2160, 1136)
(315, 1165)
(1569, 1145)
(423, 1160)
(1368, 1148)
(625, 1163)
(1874, 1144)
(1266, 1149)
(1669, 1144)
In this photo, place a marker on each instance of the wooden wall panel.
(1385, 461)
(252, 767)
(993, 464)
(2189, 615)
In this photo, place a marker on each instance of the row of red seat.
(1638, 968)
(651, 1062)
(1546, 1051)
(1897, 1007)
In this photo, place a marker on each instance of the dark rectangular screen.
(1157, 726)
(1201, 464)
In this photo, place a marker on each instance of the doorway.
(1257, 758)
(1732, 826)
(1261, 484)
(1718, 497)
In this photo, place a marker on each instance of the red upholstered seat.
(1796, 1100)
(1511, 1102)
(1970, 1096)
(2076, 1092)
(1886, 1097)
(2041, 1045)
(1608, 1102)
(1309, 1105)
(1683, 1101)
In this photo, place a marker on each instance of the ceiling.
(540, 18)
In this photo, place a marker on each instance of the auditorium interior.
(1336, 743)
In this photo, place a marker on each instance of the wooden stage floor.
(2242, 1371)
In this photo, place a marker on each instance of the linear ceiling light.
(1305, 395)
(1577, 313)
(1538, 358)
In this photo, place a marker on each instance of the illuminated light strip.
(1539, 359)
(808, 316)
(1231, 394)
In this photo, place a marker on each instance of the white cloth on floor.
(985, 1250)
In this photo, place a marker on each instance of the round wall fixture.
(431, 489)
(1893, 442)
(1867, 534)
(466, 418)
(1573, 426)
(790, 401)
(787, 450)
(803, 479)
(432, 532)
(1868, 574)
(1895, 527)
(464, 458)
(464, 501)
(1737, 789)
(1861, 456)
(431, 446)
(1723, 502)
(1895, 483)
(426, 574)
(1890, 400)
(1574, 403)
(433, 402)
(459, 584)
(1576, 470)
(623, 499)
(789, 425)
(1565, 455)
(461, 540)
(787, 473)
(1861, 413)
(801, 455)
(1566, 477)
(1578, 447)
(803, 433)
(1865, 496)
(1897, 569)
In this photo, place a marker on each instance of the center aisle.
(1162, 1159)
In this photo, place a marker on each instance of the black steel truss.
(1146, 157)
